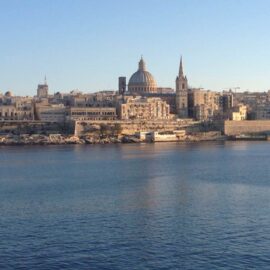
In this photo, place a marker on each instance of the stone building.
(144, 108)
(262, 112)
(12, 112)
(238, 113)
(91, 113)
(122, 85)
(169, 98)
(203, 104)
(258, 104)
(15, 107)
(99, 99)
(50, 112)
(43, 90)
(226, 102)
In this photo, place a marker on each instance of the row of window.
(95, 118)
(92, 113)
(12, 114)
(142, 89)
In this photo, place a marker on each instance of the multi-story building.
(16, 108)
(258, 104)
(122, 85)
(203, 104)
(226, 101)
(262, 112)
(61, 113)
(50, 112)
(238, 113)
(91, 113)
(144, 108)
(12, 112)
(99, 99)
(43, 90)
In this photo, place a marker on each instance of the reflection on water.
(146, 206)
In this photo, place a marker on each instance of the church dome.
(142, 81)
(8, 94)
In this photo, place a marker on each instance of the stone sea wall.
(234, 128)
(130, 127)
(35, 127)
(92, 132)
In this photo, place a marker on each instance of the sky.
(88, 44)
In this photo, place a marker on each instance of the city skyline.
(88, 45)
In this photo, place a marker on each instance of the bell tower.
(181, 93)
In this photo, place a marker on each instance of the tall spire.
(45, 80)
(181, 72)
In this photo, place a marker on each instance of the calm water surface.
(162, 206)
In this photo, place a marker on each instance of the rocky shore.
(59, 139)
(55, 139)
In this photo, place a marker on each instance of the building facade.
(51, 112)
(91, 113)
(144, 108)
(43, 90)
(16, 108)
(238, 113)
(203, 104)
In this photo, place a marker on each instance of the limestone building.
(50, 112)
(122, 85)
(238, 113)
(16, 108)
(99, 99)
(90, 113)
(144, 108)
(43, 90)
(226, 103)
(203, 104)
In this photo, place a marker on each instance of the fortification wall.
(130, 127)
(233, 128)
(35, 127)
(81, 128)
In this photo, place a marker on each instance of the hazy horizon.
(87, 45)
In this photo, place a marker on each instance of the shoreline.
(60, 139)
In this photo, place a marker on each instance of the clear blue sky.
(87, 44)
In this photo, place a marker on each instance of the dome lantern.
(142, 65)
